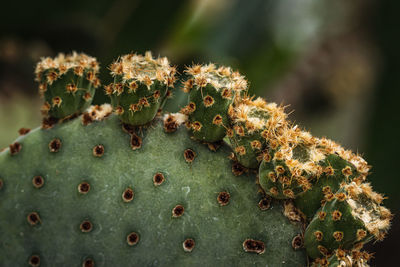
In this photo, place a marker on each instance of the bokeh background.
(336, 64)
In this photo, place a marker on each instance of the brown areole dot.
(33, 218)
(1, 183)
(88, 263)
(136, 141)
(189, 155)
(338, 236)
(34, 261)
(256, 246)
(264, 203)
(217, 120)
(55, 145)
(318, 235)
(132, 239)
(98, 151)
(237, 169)
(223, 198)
(321, 215)
(84, 187)
(297, 242)
(170, 124)
(24, 131)
(38, 181)
(188, 245)
(208, 101)
(128, 195)
(158, 179)
(15, 148)
(336, 215)
(86, 226)
(178, 211)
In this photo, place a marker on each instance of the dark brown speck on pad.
(136, 142)
(55, 145)
(189, 155)
(178, 211)
(38, 181)
(132, 239)
(98, 151)
(34, 261)
(33, 218)
(88, 263)
(255, 246)
(84, 187)
(158, 179)
(223, 198)
(86, 226)
(127, 195)
(188, 245)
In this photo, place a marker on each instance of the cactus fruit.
(136, 189)
(251, 121)
(349, 218)
(211, 91)
(141, 84)
(67, 83)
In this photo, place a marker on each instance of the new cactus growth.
(67, 83)
(211, 91)
(134, 187)
(350, 217)
(338, 166)
(140, 86)
(342, 258)
(290, 164)
(251, 122)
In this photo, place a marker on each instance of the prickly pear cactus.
(147, 188)
(76, 193)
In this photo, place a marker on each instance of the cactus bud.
(67, 83)
(250, 118)
(352, 218)
(211, 92)
(140, 87)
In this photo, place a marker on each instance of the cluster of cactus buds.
(325, 181)
(323, 184)
(67, 83)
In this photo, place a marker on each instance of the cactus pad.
(78, 194)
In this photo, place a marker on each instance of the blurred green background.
(335, 63)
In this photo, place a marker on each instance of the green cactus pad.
(250, 118)
(350, 218)
(67, 83)
(140, 87)
(211, 92)
(79, 194)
